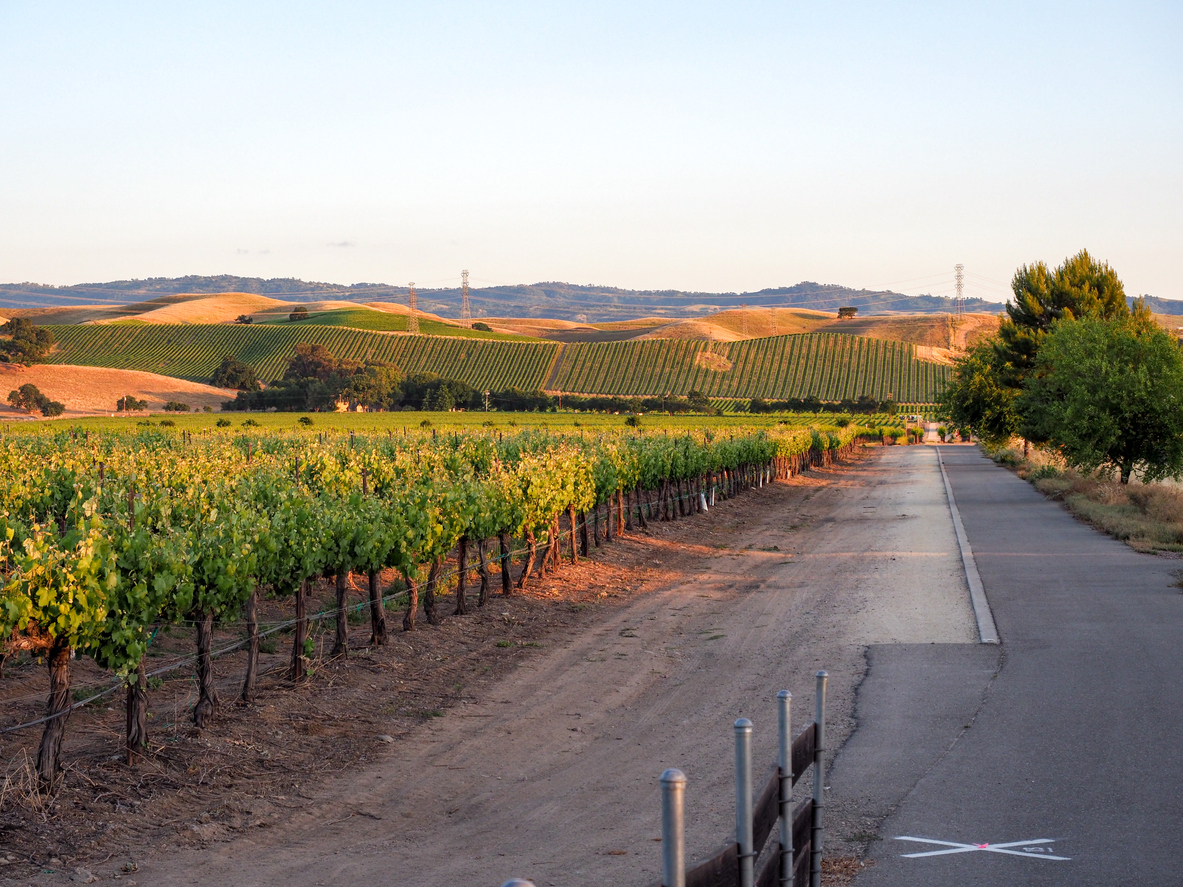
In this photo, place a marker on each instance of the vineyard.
(194, 351)
(107, 540)
(828, 366)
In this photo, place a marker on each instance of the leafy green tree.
(28, 398)
(129, 403)
(52, 408)
(233, 373)
(300, 313)
(28, 344)
(1080, 287)
(1108, 393)
(976, 396)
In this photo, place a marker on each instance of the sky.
(693, 146)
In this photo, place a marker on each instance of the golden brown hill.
(89, 391)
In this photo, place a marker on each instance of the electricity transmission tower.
(413, 318)
(959, 277)
(955, 320)
(465, 308)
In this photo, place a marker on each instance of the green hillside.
(383, 321)
(828, 365)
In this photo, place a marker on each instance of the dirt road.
(553, 775)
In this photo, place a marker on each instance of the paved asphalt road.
(1071, 731)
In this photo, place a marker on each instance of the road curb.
(987, 631)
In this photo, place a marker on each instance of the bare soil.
(527, 737)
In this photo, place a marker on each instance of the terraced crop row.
(830, 366)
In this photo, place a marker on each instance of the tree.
(233, 373)
(52, 408)
(987, 381)
(130, 403)
(700, 403)
(1108, 393)
(28, 344)
(28, 398)
(1080, 287)
(246, 318)
(315, 362)
(300, 313)
(976, 396)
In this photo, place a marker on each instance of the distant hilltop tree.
(299, 313)
(847, 313)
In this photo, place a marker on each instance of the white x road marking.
(1033, 853)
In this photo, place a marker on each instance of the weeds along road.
(1061, 749)
(553, 775)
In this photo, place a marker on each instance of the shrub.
(483, 327)
(305, 420)
(167, 423)
(300, 313)
(52, 408)
(223, 423)
(633, 421)
(175, 406)
(130, 402)
(249, 423)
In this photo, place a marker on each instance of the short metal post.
(743, 802)
(713, 488)
(673, 851)
(702, 501)
(815, 842)
(518, 882)
(784, 760)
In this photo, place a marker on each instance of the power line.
(413, 318)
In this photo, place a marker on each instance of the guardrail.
(796, 854)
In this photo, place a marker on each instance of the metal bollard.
(784, 760)
(713, 487)
(673, 850)
(815, 845)
(518, 882)
(702, 501)
(743, 802)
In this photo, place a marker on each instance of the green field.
(828, 365)
(409, 421)
(383, 321)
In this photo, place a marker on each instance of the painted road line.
(1031, 852)
(977, 594)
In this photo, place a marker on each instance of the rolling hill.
(563, 301)
(827, 365)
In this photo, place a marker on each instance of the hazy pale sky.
(695, 146)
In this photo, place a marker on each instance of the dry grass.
(694, 329)
(88, 391)
(220, 308)
(1147, 517)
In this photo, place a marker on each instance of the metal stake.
(784, 760)
(815, 843)
(743, 802)
(673, 851)
(518, 882)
